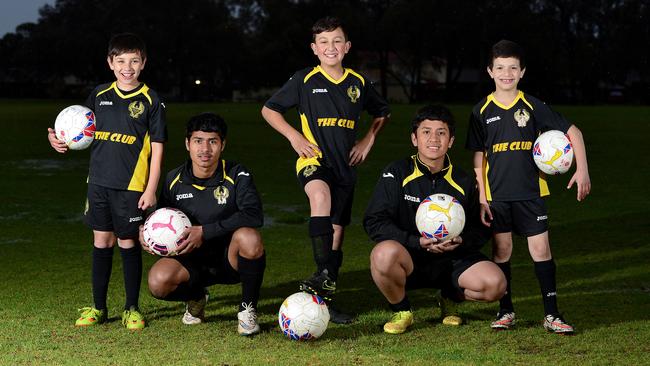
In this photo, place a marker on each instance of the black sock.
(545, 272)
(404, 305)
(322, 237)
(132, 268)
(185, 292)
(334, 264)
(506, 301)
(251, 273)
(101, 275)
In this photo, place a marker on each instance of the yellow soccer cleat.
(399, 323)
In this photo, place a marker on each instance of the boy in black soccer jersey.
(125, 163)
(402, 258)
(329, 99)
(222, 246)
(503, 127)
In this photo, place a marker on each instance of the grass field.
(601, 248)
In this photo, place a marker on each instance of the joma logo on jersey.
(184, 196)
(115, 137)
(317, 90)
(493, 119)
(411, 198)
(332, 122)
(512, 146)
(105, 102)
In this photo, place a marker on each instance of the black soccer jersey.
(221, 204)
(330, 112)
(403, 185)
(127, 123)
(506, 135)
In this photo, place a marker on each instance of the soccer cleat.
(504, 320)
(195, 310)
(319, 284)
(449, 312)
(90, 316)
(339, 317)
(399, 323)
(132, 319)
(555, 324)
(247, 321)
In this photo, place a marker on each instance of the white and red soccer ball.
(553, 152)
(163, 230)
(440, 216)
(303, 316)
(76, 126)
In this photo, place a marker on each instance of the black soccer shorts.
(209, 265)
(113, 210)
(341, 195)
(526, 218)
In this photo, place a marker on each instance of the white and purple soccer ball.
(553, 152)
(163, 230)
(440, 216)
(303, 316)
(76, 126)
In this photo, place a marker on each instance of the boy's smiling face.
(506, 72)
(331, 47)
(127, 67)
(432, 139)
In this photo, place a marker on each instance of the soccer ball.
(76, 126)
(163, 230)
(552, 152)
(440, 216)
(303, 316)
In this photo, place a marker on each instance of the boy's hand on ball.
(58, 145)
(192, 239)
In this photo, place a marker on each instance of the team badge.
(221, 194)
(354, 93)
(136, 108)
(522, 116)
(309, 170)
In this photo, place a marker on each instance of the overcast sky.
(15, 12)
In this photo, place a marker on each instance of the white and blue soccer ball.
(163, 230)
(440, 216)
(303, 316)
(553, 153)
(76, 126)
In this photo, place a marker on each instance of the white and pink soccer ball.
(76, 126)
(163, 230)
(553, 152)
(440, 216)
(303, 316)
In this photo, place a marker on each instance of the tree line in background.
(579, 51)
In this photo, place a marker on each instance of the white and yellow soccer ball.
(163, 230)
(552, 152)
(303, 316)
(76, 126)
(440, 216)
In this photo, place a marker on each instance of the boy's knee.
(249, 242)
(383, 256)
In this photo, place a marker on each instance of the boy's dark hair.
(505, 48)
(207, 122)
(327, 24)
(434, 112)
(126, 42)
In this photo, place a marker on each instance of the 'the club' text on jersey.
(330, 111)
(127, 123)
(506, 135)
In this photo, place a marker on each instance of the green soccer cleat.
(90, 316)
(449, 312)
(399, 323)
(132, 319)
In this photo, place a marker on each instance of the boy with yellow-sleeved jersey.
(502, 130)
(222, 245)
(125, 162)
(329, 99)
(403, 259)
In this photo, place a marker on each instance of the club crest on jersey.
(136, 108)
(309, 170)
(522, 116)
(354, 93)
(221, 194)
